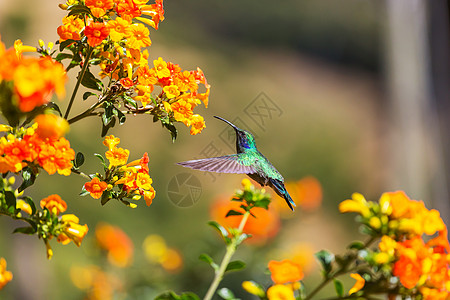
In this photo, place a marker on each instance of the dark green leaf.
(226, 294)
(88, 94)
(79, 160)
(233, 212)
(62, 56)
(55, 107)
(105, 128)
(28, 178)
(25, 230)
(106, 196)
(120, 116)
(90, 81)
(326, 259)
(339, 287)
(79, 10)
(235, 265)
(31, 204)
(357, 245)
(66, 43)
(206, 258)
(263, 203)
(10, 199)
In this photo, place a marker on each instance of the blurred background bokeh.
(342, 96)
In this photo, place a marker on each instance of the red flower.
(96, 33)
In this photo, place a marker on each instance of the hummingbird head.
(244, 139)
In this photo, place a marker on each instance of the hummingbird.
(248, 160)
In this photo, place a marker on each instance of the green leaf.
(90, 81)
(30, 203)
(189, 296)
(79, 160)
(99, 156)
(79, 10)
(84, 192)
(66, 43)
(88, 94)
(222, 231)
(10, 199)
(356, 245)
(326, 259)
(242, 237)
(168, 296)
(105, 128)
(226, 294)
(106, 196)
(235, 265)
(25, 230)
(62, 56)
(263, 203)
(339, 287)
(206, 258)
(233, 212)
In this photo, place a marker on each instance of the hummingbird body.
(248, 160)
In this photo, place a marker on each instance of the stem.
(80, 77)
(344, 269)
(231, 248)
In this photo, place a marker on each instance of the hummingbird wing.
(222, 164)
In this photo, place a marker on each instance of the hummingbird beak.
(228, 122)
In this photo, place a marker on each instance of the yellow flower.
(171, 91)
(161, 68)
(144, 181)
(387, 245)
(253, 288)
(280, 292)
(119, 28)
(359, 284)
(139, 36)
(54, 204)
(197, 124)
(5, 276)
(111, 142)
(357, 204)
(73, 231)
(182, 111)
(23, 206)
(149, 196)
(20, 48)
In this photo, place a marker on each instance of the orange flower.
(186, 81)
(146, 76)
(127, 10)
(285, 271)
(70, 30)
(171, 91)
(96, 33)
(149, 196)
(182, 111)
(35, 80)
(264, 226)
(117, 156)
(5, 276)
(51, 126)
(99, 7)
(359, 284)
(118, 245)
(139, 36)
(54, 203)
(57, 156)
(95, 187)
(408, 270)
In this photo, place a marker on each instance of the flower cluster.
(65, 227)
(40, 145)
(116, 33)
(285, 275)
(131, 179)
(414, 246)
(116, 243)
(27, 82)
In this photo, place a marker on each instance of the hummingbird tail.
(280, 189)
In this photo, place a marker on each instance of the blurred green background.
(360, 91)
